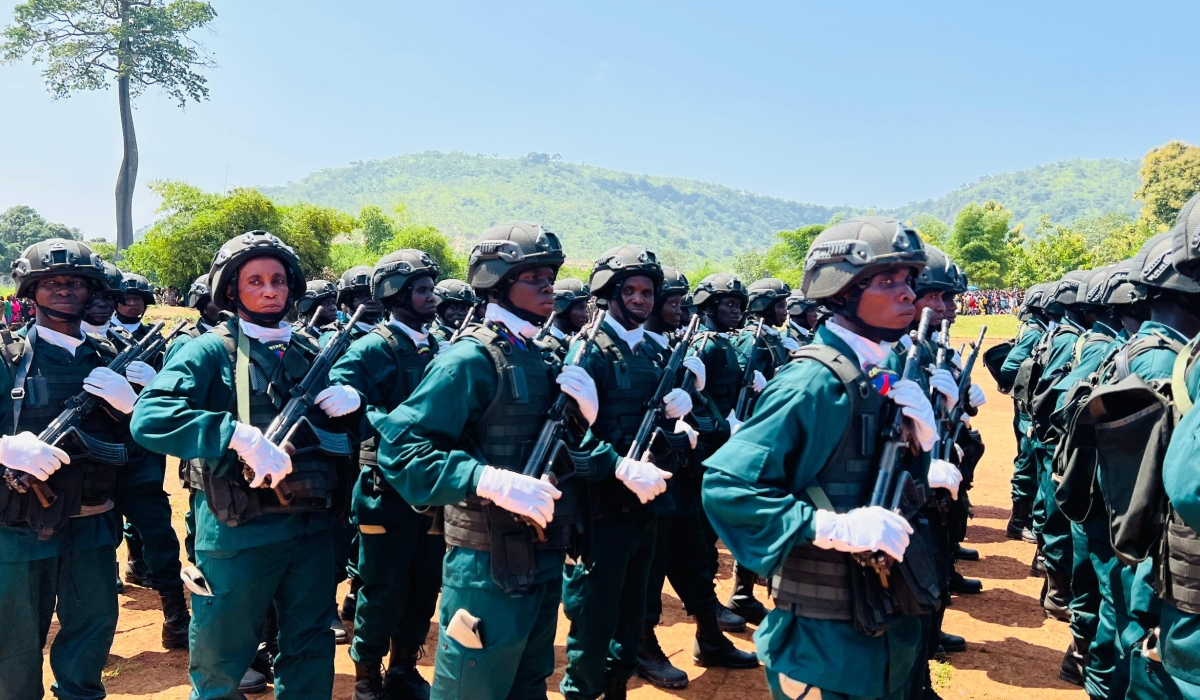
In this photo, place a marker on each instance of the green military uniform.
(1024, 479)
(451, 292)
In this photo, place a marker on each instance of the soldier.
(318, 307)
(399, 561)
(97, 317)
(680, 549)
(455, 299)
(804, 317)
(1034, 324)
(211, 403)
(58, 559)
(570, 315)
(353, 291)
(790, 497)
(133, 298)
(461, 441)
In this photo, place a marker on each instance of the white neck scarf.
(53, 337)
(869, 352)
(515, 324)
(419, 338)
(632, 338)
(266, 335)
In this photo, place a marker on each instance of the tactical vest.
(1029, 382)
(410, 366)
(85, 486)
(556, 346)
(770, 354)
(724, 381)
(314, 475)
(814, 582)
(503, 437)
(1180, 568)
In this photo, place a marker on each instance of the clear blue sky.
(867, 103)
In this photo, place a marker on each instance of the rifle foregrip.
(41, 489)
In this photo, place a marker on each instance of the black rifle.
(654, 407)
(285, 430)
(64, 433)
(160, 342)
(545, 329)
(964, 392)
(462, 326)
(743, 401)
(939, 405)
(893, 481)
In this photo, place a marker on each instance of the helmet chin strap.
(887, 335)
(619, 301)
(265, 320)
(527, 316)
(54, 313)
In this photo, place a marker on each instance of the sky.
(865, 103)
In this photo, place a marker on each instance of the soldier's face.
(66, 294)
(637, 299)
(263, 285)
(813, 315)
(454, 314)
(533, 291)
(132, 306)
(948, 300)
(423, 300)
(99, 309)
(933, 302)
(211, 313)
(578, 314)
(729, 312)
(778, 313)
(887, 301)
(671, 312)
(372, 309)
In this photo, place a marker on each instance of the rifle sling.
(241, 378)
(817, 495)
(18, 390)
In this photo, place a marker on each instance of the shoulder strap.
(392, 339)
(845, 369)
(1142, 345)
(1183, 402)
(19, 352)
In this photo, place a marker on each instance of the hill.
(685, 220)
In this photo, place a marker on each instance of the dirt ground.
(1013, 650)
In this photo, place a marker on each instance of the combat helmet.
(567, 292)
(237, 250)
(356, 279)
(674, 282)
(1114, 289)
(132, 283)
(454, 291)
(765, 292)
(939, 274)
(508, 249)
(719, 285)
(858, 248)
(1185, 238)
(1153, 269)
(617, 265)
(798, 304)
(958, 277)
(1090, 284)
(113, 277)
(56, 256)
(1035, 298)
(199, 294)
(315, 291)
(395, 271)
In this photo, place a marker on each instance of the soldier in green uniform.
(98, 315)
(317, 309)
(680, 549)
(461, 442)
(455, 299)
(353, 291)
(58, 559)
(570, 315)
(790, 497)
(803, 317)
(1034, 324)
(399, 561)
(211, 403)
(133, 298)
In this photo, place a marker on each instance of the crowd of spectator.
(17, 312)
(986, 302)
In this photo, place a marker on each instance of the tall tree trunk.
(127, 176)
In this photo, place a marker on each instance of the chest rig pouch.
(261, 384)
(96, 446)
(724, 373)
(503, 438)
(410, 367)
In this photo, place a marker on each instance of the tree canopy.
(1170, 176)
(22, 226)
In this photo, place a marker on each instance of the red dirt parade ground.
(1013, 650)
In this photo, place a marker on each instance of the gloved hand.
(644, 479)
(696, 366)
(677, 403)
(111, 387)
(916, 407)
(140, 373)
(23, 452)
(868, 529)
(944, 475)
(975, 396)
(941, 381)
(578, 384)
(263, 458)
(734, 423)
(683, 427)
(759, 383)
(517, 493)
(789, 343)
(338, 400)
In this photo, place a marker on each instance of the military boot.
(962, 553)
(1073, 663)
(252, 682)
(1037, 567)
(176, 619)
(653, 664)
(729, 620)
(136, 571)
(614, 688)
(368, 682)
(403, 681)
(1056, 597)
(1020, 524)
(713, 648)
(742, 601)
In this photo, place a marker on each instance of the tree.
(378, 229)
(1054, 251)
(22, 226)
(785, 259)
(427, 238)
(980, 242)
(933, 230)
(751, 266)
(87, 44)
(1170, 176)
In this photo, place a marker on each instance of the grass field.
(1002, 327)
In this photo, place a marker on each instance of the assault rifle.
(743, 402)
(964, 392)
(292, 427)
(64, 433)
(894, 481)
(655, 408)
(545, 329)
(463, 326)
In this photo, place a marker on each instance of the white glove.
(517, 493)
(23, 452)
(869, 529)
(941, 381)
(678, 403)
(759, 383)
(338, 400)
(645, 480)
(975, 396)
(140, 373)
(789, 343)
(916, 407)
(734, 423)
(944, 475)
(578, 384)
(683, 427)
(263, 458)
(111, 387)
(696, 366)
